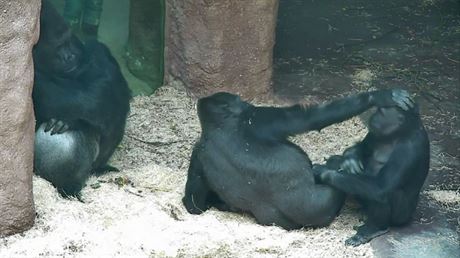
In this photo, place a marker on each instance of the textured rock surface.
(18, 33)
(216, 45)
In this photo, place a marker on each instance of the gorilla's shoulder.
(99, 53)
(95, 45)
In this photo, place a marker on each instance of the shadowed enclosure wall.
(144, 53)
(18, 33)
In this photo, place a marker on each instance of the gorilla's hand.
(320, 172)
(395, 97)
(352, 166)
(56, 126)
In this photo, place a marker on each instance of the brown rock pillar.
(221, 45)
(18, 33)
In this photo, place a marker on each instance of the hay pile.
(138, 211)
(448, 199)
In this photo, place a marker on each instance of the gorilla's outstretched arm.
(282, 122)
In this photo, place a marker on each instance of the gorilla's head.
(390, 121)
(220, 109)
(57, 51)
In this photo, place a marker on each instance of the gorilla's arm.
(359, 150)
(196, 189)
(395, 173)
(275, 122)
(70, 104)
(355, 158)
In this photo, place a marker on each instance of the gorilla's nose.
(69, 57)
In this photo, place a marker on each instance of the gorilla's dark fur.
(385, 171)
(81, 102)
(245, 162)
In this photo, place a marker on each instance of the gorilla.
(81, 103)
(245, 162)
(385, 172)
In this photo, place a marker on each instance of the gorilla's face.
(59, 55)
(386, 121)
(220, 108)
(57, 51)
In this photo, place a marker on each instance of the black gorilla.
(244, 161)
(385, 171)
(81, 103)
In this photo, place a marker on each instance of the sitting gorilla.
(385, 171)
(81, 102)
(244, 161)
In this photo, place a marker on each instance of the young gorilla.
(385, 171)
(81, 103)
(244, 161)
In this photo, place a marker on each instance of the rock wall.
(221, 45)
(19, 29)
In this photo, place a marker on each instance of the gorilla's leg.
(365, 233)
(106, 149)
(196, 195)
(214, 201)
(65, 159)
(323, 205)
(266, 214)
(378, 220)
(314, 206)
(403, 204)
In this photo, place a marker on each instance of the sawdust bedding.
(138, 211)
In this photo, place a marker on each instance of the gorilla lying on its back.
(81, 102)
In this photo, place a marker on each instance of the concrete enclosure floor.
(327, 49)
